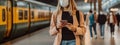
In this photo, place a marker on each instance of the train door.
(6, 19)
(3, 19)
(20, 19)
(29, 18)
(9, 18)
(32, 19)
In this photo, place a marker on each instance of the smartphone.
(64, 22)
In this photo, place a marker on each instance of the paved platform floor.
(42, 37)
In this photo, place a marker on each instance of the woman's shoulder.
(79, 11)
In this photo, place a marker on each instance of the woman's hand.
(62, 23)
(71, 27)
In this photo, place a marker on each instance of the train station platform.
(42, 37)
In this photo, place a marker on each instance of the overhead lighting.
(114, 9)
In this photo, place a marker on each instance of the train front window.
(3, 15)
(26, 15)
(20, 14)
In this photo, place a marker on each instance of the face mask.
(64, 3)
(110, 13)
(101, 12)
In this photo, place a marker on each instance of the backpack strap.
(81, 36)
(78, 17)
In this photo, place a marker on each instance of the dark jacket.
(118, 17)
(102, 19)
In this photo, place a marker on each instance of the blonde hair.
(72, 7)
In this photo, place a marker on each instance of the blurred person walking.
(102, 20)
(91, 21)
(118, 20)
(112, 21)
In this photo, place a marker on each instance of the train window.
(32, 6)
(32, 14)
(35, 6)
(42, 15)
(22, 4)
(39, 15)
(26, 14)
(20, 14)
(3, 2)
(3, 15)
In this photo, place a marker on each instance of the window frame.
(33, 15)
(3, 15)
(39, 14)
(25, 14)
(20, 14)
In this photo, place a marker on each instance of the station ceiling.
(81, 4)
(116, 6)
(54, 2)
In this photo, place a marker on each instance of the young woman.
(64, 24)
(112, 21)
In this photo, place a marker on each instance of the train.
(18, 18)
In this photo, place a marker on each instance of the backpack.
(82, 37)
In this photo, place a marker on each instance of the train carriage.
(18, 18)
